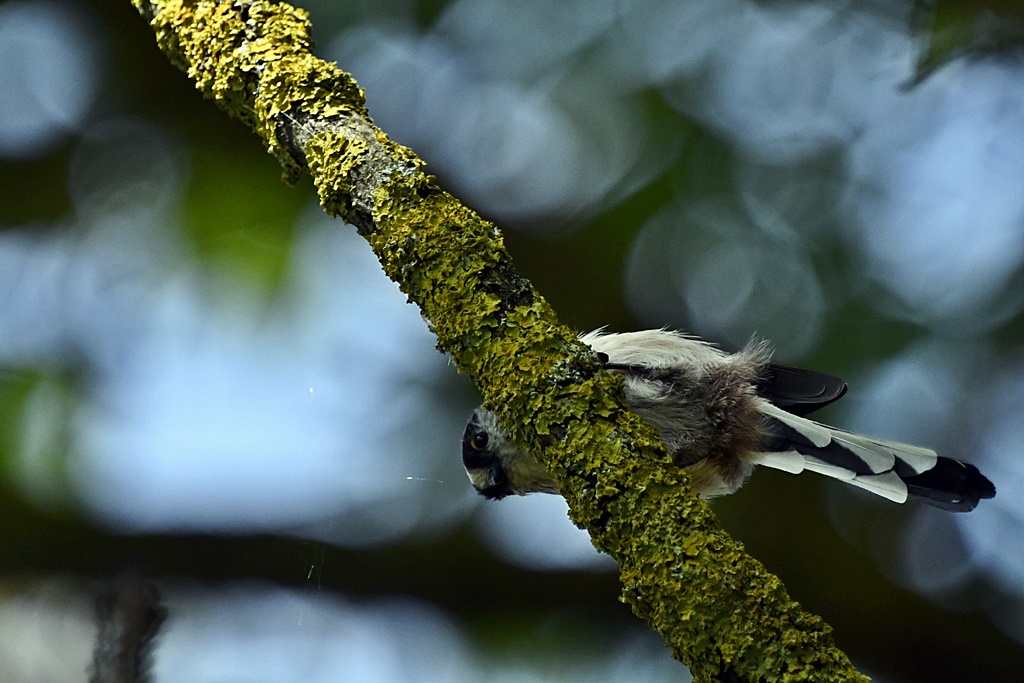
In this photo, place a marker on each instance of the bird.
(721, 414)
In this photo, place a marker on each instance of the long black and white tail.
(893, 470)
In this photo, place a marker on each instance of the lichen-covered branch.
(719, 609)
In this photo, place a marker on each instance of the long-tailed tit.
(720, 414)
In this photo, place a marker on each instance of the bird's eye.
(479, 441)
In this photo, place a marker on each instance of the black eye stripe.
(474, 446)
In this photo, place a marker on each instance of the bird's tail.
(892, 470)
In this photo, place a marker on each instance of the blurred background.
(206, 383)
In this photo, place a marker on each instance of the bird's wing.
(797, 391)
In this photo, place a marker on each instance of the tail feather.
(951, 485)
(828, 469)
(886, 468)
(910, 460)
(888, 485)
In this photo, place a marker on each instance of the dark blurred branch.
(719, 609)
(129, 615)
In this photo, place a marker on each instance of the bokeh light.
(49, 74)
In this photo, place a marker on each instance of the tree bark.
(720, 610)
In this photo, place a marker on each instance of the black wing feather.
(797, 391)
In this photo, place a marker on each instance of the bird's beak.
(495, 475)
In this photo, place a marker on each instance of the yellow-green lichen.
(331, 158)
(399, 152)
(254, 60)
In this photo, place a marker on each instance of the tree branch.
(130, 614)
(720, 610)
